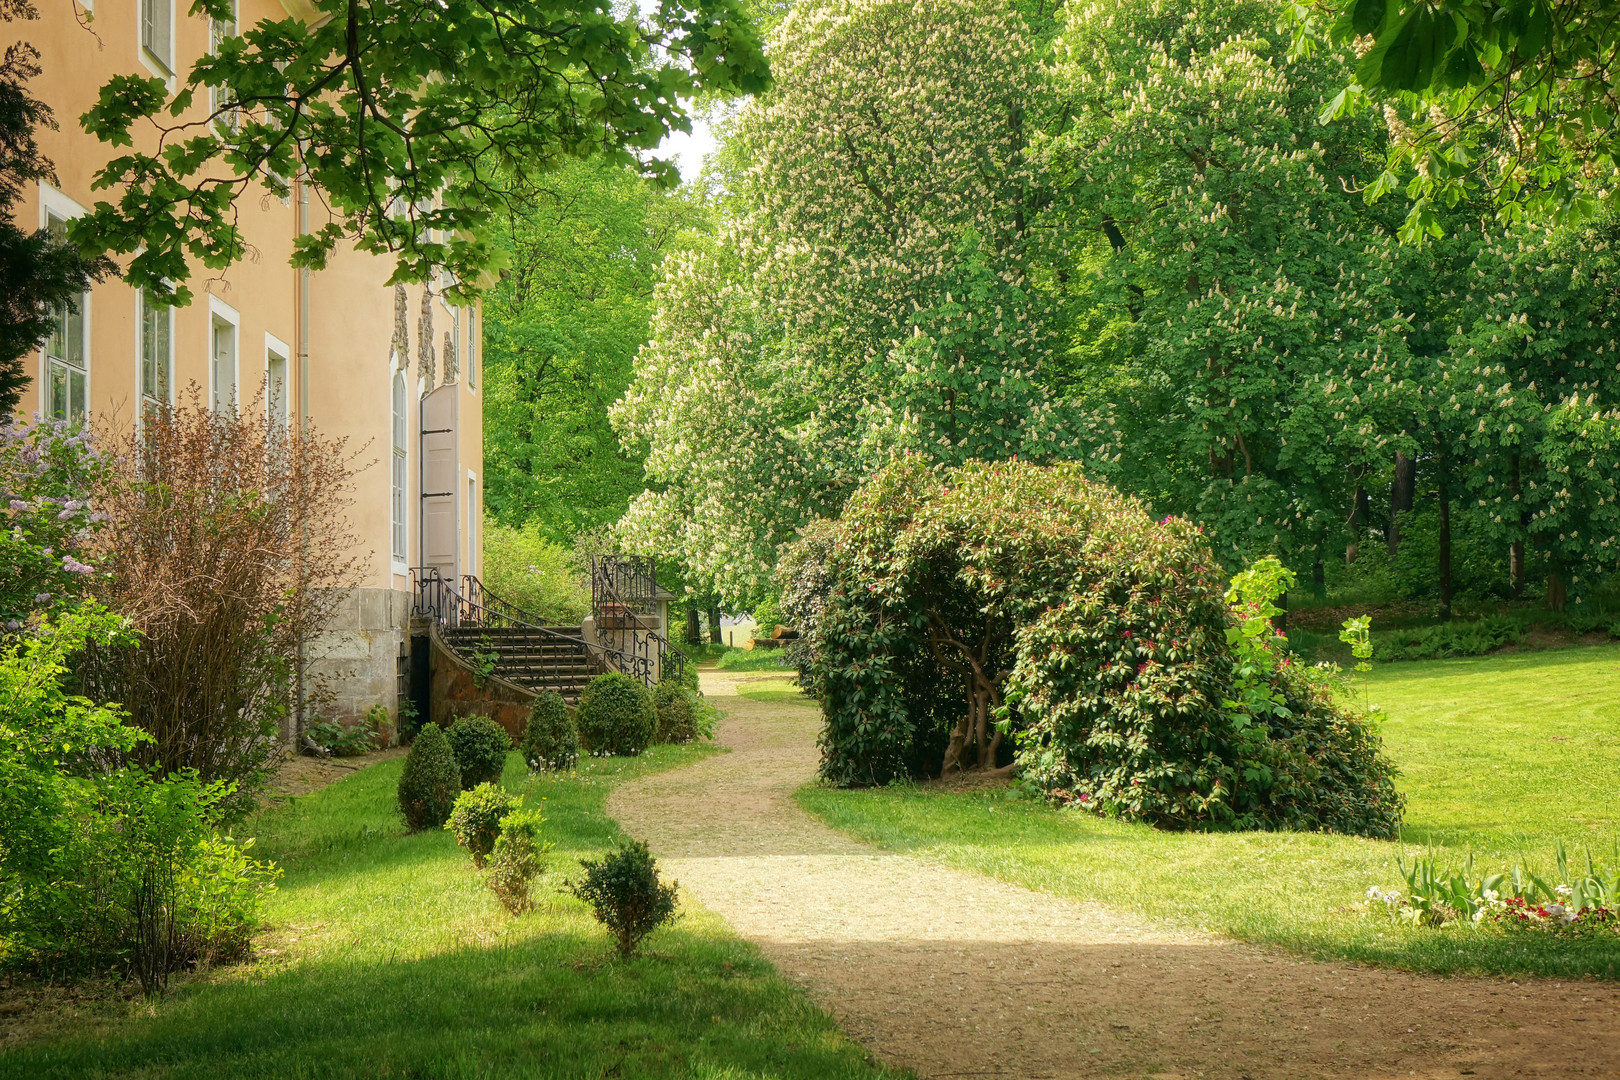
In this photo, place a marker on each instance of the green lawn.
(1497, 755)
(774, 691)
(387, 957)
(752, 660)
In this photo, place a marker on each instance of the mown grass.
(752, 660)
(1500, 757)
(388, 957)
(774, 691)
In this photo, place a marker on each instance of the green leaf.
(1367, 16)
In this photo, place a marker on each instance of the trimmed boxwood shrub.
(480, 746)
(1001, 616)
(430, 780)
(550, 740)
(476, 819)
(615, 715)
(626, 895)
(519, 858)
(673, 709)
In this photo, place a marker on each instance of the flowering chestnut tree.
(1232, 269)
(874, 288)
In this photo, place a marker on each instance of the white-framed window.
(277, 384)
(156, 351)
(472, 348)
(219, 98)
(400, 473)
(472, 522)
(65, 363)
(223, 369)
(157, 36)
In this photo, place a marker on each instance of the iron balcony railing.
(624, 602)
(518, 647)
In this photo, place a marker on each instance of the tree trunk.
(1319, 577)
(1445, 543)
(714, 623)
(1360, 514)
(1516, 552)
(1401, 490)
(694, 636)
(1557, 594)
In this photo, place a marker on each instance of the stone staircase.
(549, 658)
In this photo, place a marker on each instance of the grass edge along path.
(386, 956)
(1501, 757)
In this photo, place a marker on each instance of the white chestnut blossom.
(870, 292)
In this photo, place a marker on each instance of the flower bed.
(1517, 899)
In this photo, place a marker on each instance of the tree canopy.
(1517, 96)
(1127, 240)
(871, 290)
(419, 123)
(561, 330)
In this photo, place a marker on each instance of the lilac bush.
(47, 470)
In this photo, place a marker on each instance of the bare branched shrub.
(227, 545)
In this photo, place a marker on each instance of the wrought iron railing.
(522, 649)
(624, 603)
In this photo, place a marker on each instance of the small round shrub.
(675, 721)
(625, 894)
(615, 715)
(480, 746)
(518, 858)
(430, 781)
(550, 740)
(476, 818)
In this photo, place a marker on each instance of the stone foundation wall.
(456, 689)
(358, 658)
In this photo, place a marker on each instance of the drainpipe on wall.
(303, 429)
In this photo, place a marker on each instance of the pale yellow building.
(317, 344)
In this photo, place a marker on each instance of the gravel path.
(955, 975)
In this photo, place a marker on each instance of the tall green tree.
(1230, 275)
(423, 124)
(1536, 391)
(874, 289)
(561, 333)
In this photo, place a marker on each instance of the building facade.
(392, 369)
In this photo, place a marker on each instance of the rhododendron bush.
(1005, 616)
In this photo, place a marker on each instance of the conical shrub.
(430, 781)
(550, 740)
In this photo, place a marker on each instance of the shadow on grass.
(557, 1005)
(408, 968)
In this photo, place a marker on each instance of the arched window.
(399, 473)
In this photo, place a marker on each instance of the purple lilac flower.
(42, 598)
(18, 504)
